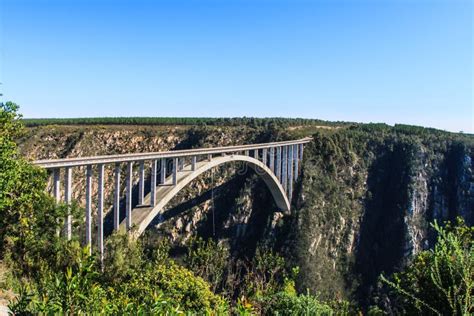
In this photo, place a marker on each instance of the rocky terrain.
(362, 206)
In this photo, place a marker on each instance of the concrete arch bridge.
(278, 164)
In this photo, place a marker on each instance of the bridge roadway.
(277, 163)
(108, 159)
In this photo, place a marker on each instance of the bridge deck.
(84, 161)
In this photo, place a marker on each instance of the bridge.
(277, 163)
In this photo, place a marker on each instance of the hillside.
(361, 207)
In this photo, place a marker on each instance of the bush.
(145, 286)
(439, 281)
(304, 304)
(28, 217)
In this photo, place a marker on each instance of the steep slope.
(362, 206)
(366, 200)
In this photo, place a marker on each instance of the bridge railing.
(282, 158)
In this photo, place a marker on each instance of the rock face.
(365, 206)
(362, 205)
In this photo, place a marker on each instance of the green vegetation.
(236, 121)
(357, 183)
(51, 275)
(438, 281)
(367, 194)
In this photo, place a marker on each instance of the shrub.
(439, 281)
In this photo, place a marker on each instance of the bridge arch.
(283, 159)
(143, 216)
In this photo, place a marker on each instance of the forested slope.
(362, 206)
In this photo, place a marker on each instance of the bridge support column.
(290, 171)
(141, 183)
(284, 171)
(278, 164)
(89, 208)
(57, 185)
(301, 151)
(100, 213)
(264, 156)
(193, 163)
(57, 190)
(209, 157)
(296, 160)
(117, 197)
(67, 200)
(154, 169)
(175, 171)
(163, 171)
(272, 159)
(181, 164)
(128, 197)
(246, 153)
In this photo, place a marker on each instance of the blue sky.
(393, 61)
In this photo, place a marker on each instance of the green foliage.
(142, 285)
(236, 121)
(284, 303)
(439, 281)
(266, 274)
(208, 260)
(262, 285)
(53, 276)
(28, 218)
(73, 291)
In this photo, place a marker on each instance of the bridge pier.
(193, 163)
(284, 171)
(154, 171)
(57, 185)
(141, 183)
(290, 172)
(89, 208)
(175, 171)
(67, 200)
(117, 196)
(57, 189)
(278, 164)
(163, 171)
(100, 213)
(128, 197)
(296, 159)
(264, 156)
(272, 159)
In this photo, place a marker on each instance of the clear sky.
(393, 61)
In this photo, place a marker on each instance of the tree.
(27, 213)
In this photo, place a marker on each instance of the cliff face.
(361, 207)
(366, 202)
